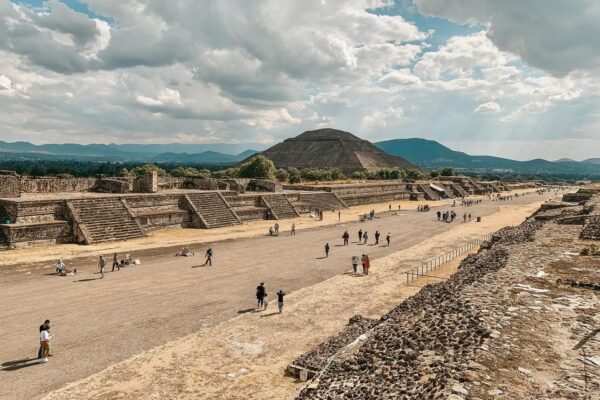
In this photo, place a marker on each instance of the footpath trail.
(100, 322)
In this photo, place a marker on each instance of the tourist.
(469, 217)
(339, 215)
(101, 264)
(326, 250)
(293, 231)
(363, 260)
(367, 264)
(115, 263)
(399, 206)
(280, 295)
(276, 229)
(465, 217)
(365, 237)
(355, 263)
(266, 301)
(388, 238)
(45, 342)
(260, 294)
(360, 235)
(439, 215)
(44, 326)
(346, 237)
(377, 234)
(209, 256)
(390, 207)
(271, 231)
(60, 267)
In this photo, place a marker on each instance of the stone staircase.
(214, 210)
(458, 190)
(105, 219)
(429, 193)
(281, 206)
(322, 201)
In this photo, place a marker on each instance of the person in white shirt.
(45, 342)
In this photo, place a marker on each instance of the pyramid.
(332, 148)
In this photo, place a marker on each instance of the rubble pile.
(317, 358)
(425, 347)
(591, 227)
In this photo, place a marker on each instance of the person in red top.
(367, 265)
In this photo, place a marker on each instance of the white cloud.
(489, 107)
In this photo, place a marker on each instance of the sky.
(513, 78)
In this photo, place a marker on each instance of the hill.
(431, 154)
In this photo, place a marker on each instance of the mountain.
(592, 161)
(213, 153)
(206, 157)
(565, 160)
(431, 154)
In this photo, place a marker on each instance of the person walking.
(360, 234)
(260, 295)
(43, 326)
(388, 238)
(377, 234)
(355, 263)
(326, 250)
(346, 237)
(276, 229)
(367, 264)
(365, 237)
(339, 215)
(101, 264)
(208, 256)
(280, 295)
(45, 342)
(266, 301)
(363, 260)
(293, 231)
(115, 263)
(465, 217)
(439, 215)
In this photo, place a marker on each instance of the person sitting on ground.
(60, 267)
(271, 231)
(186, 251)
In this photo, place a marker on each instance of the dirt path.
(97, 323)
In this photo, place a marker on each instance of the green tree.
(447, 172)
(143, 169)
(295, 176)
(190, 172)
(282, 175)
(258, 167)
(227, 173)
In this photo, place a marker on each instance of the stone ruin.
(91, 210)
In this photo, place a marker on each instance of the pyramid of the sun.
(332, 148)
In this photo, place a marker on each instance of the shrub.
(258, 167)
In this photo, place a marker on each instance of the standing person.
(355, 263)
(388, 238)
(439, 215)
(101, 264)
(363, 260)
(115, 263)
(280, 295)
(260, 294)
(326, 250)
(339, 215)
(276, 229)
(465, 217)
(365, 237)
(293, 231)
(469, 217)
(360, 234)
(209, 256)
(45, 342)
(377, 234)
(367, 264)
(43, 326)
(390, 207)
(346, 237)
(266, 301)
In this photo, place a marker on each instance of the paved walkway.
(97, 323)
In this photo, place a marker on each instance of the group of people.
(366, 264)
(262, 298)
(63, 270)
(370, 216)
(274, 230)
(423, 208)
(447, 216)
(116, 263)
(469, 203)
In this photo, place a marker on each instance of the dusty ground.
(97, 323)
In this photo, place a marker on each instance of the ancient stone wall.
(10, 185)
(57, 185)
(39, 234)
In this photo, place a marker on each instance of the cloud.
(489, 107)
(554, 35)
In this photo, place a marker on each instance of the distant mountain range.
(214, 153)
(431, 154)
(421, 152)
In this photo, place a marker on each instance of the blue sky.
(481, 76)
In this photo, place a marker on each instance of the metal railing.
(434, 263)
